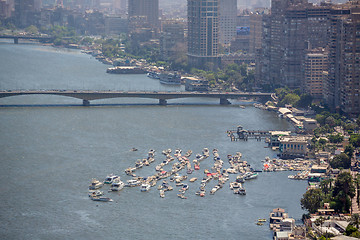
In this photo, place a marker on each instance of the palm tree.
(355, 220)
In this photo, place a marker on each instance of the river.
(51, 148)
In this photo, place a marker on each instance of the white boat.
(250, 175)
(153, 75)
(95, 193)
(145, 187)
(95, 184)
(117, 185)
(132, 183)
(170, 78)
(101, 199)
(110, 178)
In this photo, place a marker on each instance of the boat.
(162, 193)
(170, 78)
(250, 175)
(95, 184)
(125, 70)
(153, 75)
(117, 185)
(262, 220)
(95, 193)
(110, 178)
(132, 183)
(101, 199)
(259, 223)
(134, 149)
(145, 187)
(197, 167)
(193, 179)
(182, 196)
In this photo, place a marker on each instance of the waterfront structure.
(315, 67)
(227, 20)
(196, 84)
(203, 33)
(171, 36)
(143, 13)
(293, 146)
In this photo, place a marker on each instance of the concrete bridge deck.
(16, 38)
(87, 96)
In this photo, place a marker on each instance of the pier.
(89, 95)
(242, 134)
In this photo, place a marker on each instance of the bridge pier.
(162, 102)
(224, 101)
(16, 40)
(86, 102)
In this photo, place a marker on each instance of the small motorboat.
(110, 178)
(117, 185)
(145, 187)
(193, 179)
(101, 199)
(132, 183)
(95, 184)
(95, 193)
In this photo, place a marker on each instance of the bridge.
(87, 96)
(16, 38)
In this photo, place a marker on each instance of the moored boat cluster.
(167, 175)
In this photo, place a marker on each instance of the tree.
(344, 190)
(355, 140)
(349, 151)
(32, 29)
(305, 101)
(341, 161)
(355, 220)
(338, 138)
(290, 98)
(311, 200)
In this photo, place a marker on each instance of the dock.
(242, 134)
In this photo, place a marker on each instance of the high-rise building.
(143, 13)
(343, 91)
(203, 33)
(292, 26)
(24, 12)
(227, 20)
(315, 66)
(171, 36)
(5, 9)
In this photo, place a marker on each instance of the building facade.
(227, 20)
(144, 13)
(203, 33)
(171, 35)
(315, 66)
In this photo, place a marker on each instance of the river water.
(51, 147)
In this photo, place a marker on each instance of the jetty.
(242, 134)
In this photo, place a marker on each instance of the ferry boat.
(153, 75)
(170, 78)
